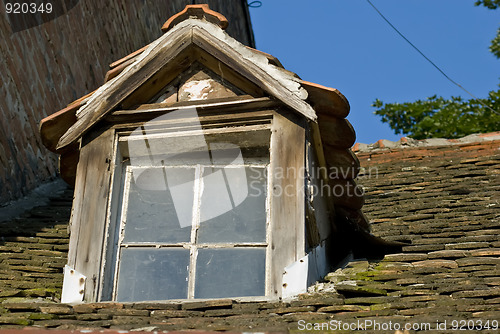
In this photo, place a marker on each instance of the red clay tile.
(201, 12)
(490, 134)
(130, 56)
(468, 150)
(380, 143)
(327, 100)
(79, 101)
(117, 70)
(54, 126)
(272, 59)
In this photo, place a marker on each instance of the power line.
(426, 58)
(255, 4)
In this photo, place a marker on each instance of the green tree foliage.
(491, 4)
(495, 43)
(437, 117)
(446, 118)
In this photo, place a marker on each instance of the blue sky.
(345, 44)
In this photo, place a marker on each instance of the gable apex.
(208, 37)
(202, 12)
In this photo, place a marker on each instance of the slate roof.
(443, 201)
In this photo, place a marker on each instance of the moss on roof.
(445, 206)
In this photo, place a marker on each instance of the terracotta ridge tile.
(117, 70)
(199, 11)
(69, 108)
(50, 125)
(327, 100)
(80, 100)
(330, 89)
(429, 143)
(490, 134)
(59, 121)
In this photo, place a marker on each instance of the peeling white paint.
(197, 89)
(286, 79)
(303, 273)
(295, 278)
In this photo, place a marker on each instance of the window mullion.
(269, 236)
(195, 224)
(123, 221)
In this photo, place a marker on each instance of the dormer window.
(201, 171)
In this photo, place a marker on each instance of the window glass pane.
(235, 272)
(233, 205)
(152, 274)
(160, 205)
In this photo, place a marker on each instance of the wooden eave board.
(146, 111)
(252, 66)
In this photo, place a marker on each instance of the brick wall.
(44, 68)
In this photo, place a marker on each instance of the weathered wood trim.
(222, 105)
(113, 214)
(226, 73)
(88, 218)
(165, 75)
(113, 92)
(248, 69)
(272, 59)
(128, 57)
(287, 211)
(170, 47)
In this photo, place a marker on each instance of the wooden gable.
(168, 57)
(196, 82)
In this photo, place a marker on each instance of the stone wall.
(45, 67)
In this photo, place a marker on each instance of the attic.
(202, 169)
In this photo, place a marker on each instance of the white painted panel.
(73, 286)
(295, 278)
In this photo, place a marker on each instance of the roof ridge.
(406, 142)
(201, 12)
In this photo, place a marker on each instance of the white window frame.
(117, 212)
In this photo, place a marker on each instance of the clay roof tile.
(198, 11)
